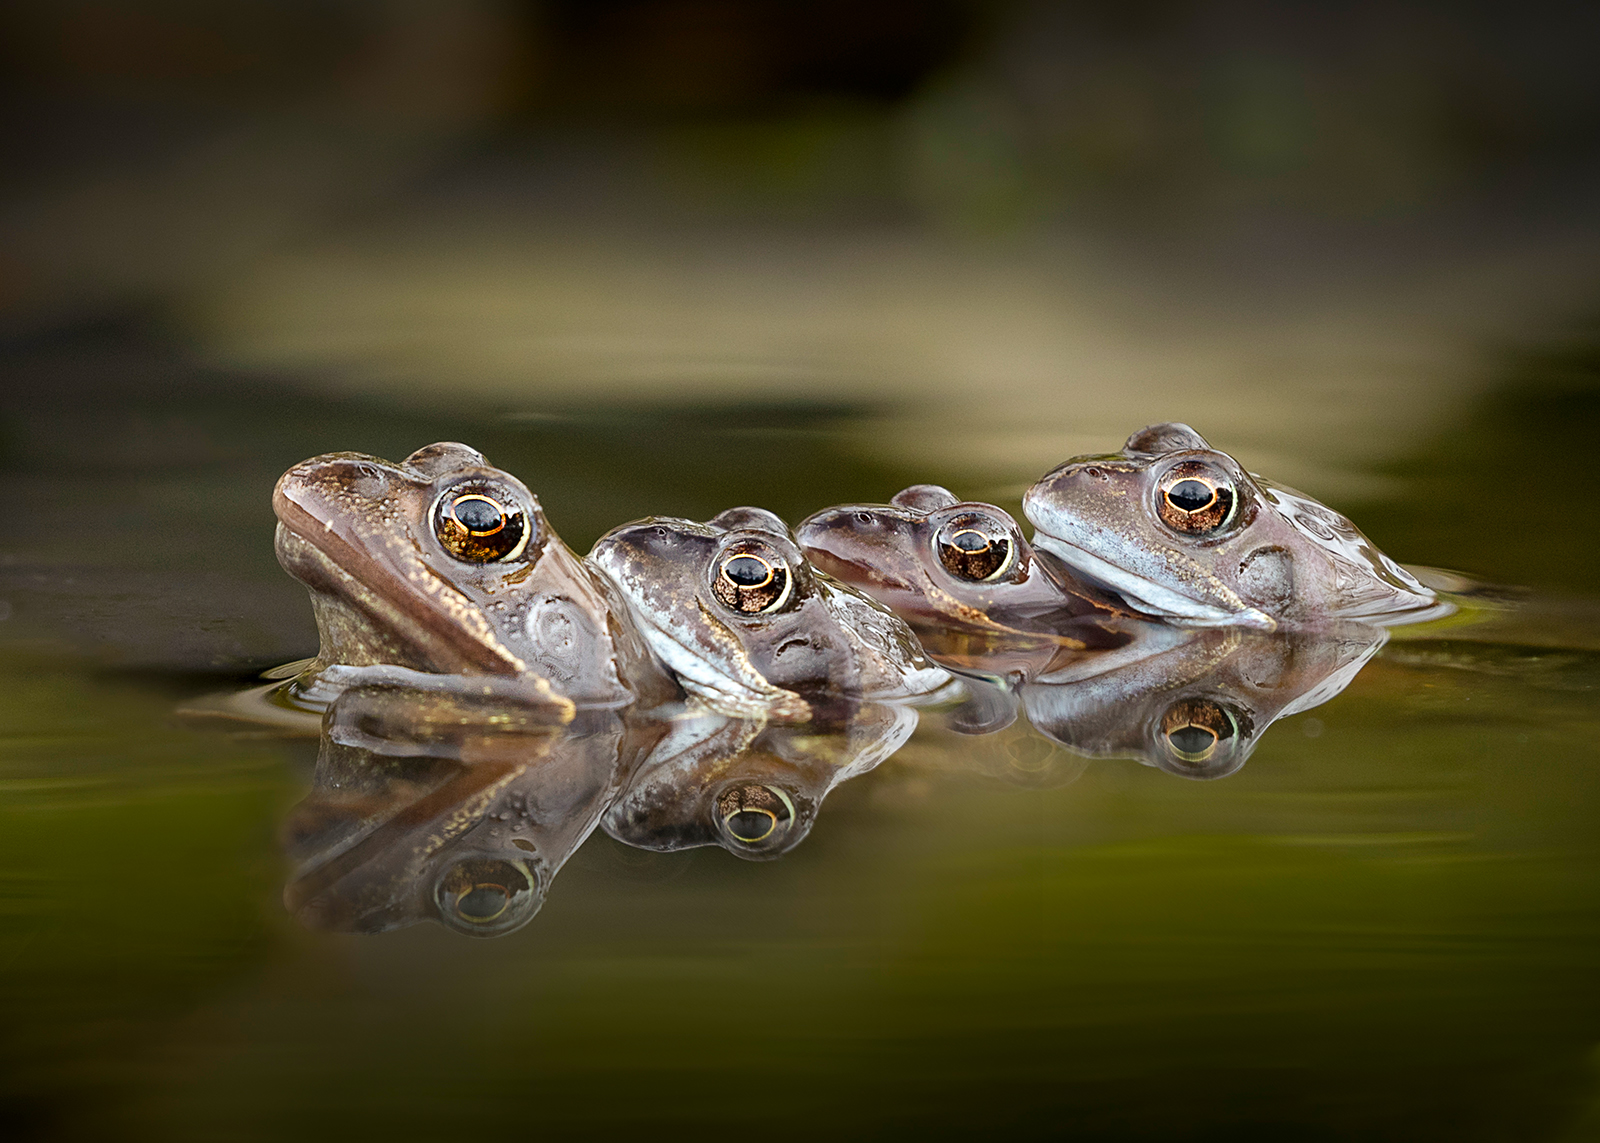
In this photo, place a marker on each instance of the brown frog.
(447, 565)
(734, 609)
(1182, 532)
(962, 575)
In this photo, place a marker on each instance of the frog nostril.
(863, 517)
(1094, 473)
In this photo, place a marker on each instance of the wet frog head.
(445, 564)
(962, 575)
(747, 624)
(1181, 531)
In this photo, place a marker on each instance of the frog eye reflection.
(1195, 498)
(975, 548)
(486, 897)
(1202, 738)
(752, 579)
(476, 527)
(753, 816)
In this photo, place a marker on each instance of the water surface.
(1386, 925)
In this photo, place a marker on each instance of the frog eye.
(754, 817)
(1195, 498)
(752, 578)
(1202, 738)
(487, 897)
(975, 547)
(477, 526)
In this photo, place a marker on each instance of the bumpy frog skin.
(1198, 705)
(734, 609)
(964, 578)
(444, 564)
(1182, 532)
(752, 787)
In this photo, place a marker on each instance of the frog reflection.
(750, 627)
(752, 787)
(436, 806)
(962, 575)
(1198, 706)
(444, 564)
(1182, 532)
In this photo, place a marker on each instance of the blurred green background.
(668, 256)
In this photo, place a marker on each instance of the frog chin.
(1148, 596)
(725, 678)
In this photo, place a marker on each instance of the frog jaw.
(1151, 597)
(728, 682)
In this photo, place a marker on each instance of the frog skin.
(1182, 532)
(751, 786)
(962, 575)
(444, 564)
(417, 815)
(1197, 704)
(750, 627)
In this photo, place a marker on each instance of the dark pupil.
(477, 514)
(746, 571)
(970, 541)
(1190, 495)
(483, 902)
(1192, 739)
(751, 825)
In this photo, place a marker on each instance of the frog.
(1196, 704)
(752, 786)
(427, 806)
(751, 628)
(1180, 531)
(964, 578)
(446, 565)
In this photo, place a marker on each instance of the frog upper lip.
(1149, 596)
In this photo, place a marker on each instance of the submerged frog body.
(1198, 703)
(1182, 532)
(750, 786)
(964, 578)
(750, 627)
(444, 564)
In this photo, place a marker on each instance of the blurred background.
(667, 256)
(1018, 230)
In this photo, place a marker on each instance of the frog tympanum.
(1182, 532)
(749, 626)
(964, 578)
(447, 565)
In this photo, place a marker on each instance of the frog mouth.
(1146, 595)
(367, 612)
(732, 686)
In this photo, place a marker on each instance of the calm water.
(1385, 926)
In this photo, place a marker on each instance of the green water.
(1386, 926)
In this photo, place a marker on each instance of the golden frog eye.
(751, 815)
(752, 579)
(477, 527)
(1201, 737)
(974, 547)
(1195, 498)
(486, 896)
